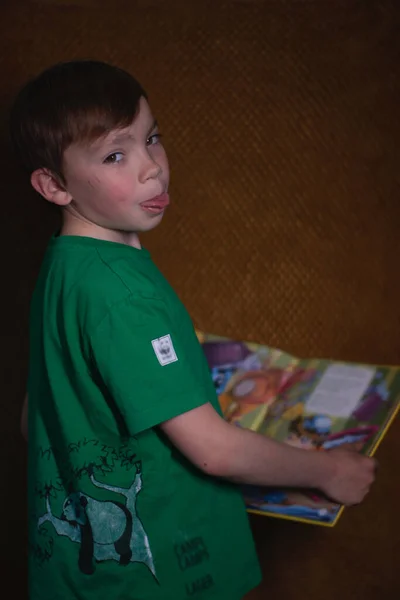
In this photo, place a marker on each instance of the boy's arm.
(224, 450)
(24, 418)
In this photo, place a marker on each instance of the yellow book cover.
(315, 404)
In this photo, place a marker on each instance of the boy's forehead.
(143, 123)
(131, 133)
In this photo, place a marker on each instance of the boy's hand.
(350, 477)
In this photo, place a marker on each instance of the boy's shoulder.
(92, 277)
(87, 264)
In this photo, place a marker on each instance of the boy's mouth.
(156, 204)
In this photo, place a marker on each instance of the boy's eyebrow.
(124, 136)
(154, 126)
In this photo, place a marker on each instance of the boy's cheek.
(112, 194)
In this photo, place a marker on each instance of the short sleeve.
(153, 368)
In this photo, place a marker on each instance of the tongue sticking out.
(157, 203)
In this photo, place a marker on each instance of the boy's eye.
(115, 157)
(153, 139)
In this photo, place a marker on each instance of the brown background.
(282, 124)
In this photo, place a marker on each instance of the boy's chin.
(151, 222)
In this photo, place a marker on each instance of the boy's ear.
(50, 187)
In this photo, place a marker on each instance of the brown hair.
(72, 102)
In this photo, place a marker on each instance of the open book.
(314, 404)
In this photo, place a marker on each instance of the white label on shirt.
(164, 350)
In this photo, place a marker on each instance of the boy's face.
(118, 184)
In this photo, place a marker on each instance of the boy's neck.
(74, 226)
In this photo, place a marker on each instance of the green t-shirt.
(115, 511)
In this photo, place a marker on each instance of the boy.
(132, 469)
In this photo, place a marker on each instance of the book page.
(340, 390)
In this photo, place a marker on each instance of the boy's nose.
(150, 169)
